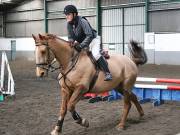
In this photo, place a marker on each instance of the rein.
(72, 66)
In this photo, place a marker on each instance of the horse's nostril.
(42, 73)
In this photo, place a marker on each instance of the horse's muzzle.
(40, 72)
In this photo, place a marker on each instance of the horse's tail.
(138, 54)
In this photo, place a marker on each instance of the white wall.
(167, 42)
(162, 48)
(149, 41)
(162, 41)
(24, 48)
(22, 44)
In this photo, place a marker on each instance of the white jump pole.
(150, 86)
(11, 84)
(2, 71)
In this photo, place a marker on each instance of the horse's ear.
(34, 37)
(41, 37)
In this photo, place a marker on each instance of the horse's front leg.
(76, 96)
(63, 110)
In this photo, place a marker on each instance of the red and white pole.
(158, 80)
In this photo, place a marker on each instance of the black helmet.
(70, 9)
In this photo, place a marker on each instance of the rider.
(81, 34)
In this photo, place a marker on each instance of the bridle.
(49, 65)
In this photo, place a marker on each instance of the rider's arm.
(88, 32)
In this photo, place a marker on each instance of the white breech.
(94, 47)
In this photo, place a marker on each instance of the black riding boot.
(103, 64)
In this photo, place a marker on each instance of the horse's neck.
(62, 51)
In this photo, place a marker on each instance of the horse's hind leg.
(134, 99)
(137, 104)
(125, 89)
(127, 106)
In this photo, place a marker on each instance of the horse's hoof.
(142, 114)
(85, 123)
(55, 132)
(141, 117)
(120, 128)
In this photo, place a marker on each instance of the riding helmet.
(70, 9)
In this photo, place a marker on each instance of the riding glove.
(78, 48)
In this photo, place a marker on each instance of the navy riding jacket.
(81, 31)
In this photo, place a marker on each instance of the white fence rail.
(10, 88)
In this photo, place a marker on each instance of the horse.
(77, 72)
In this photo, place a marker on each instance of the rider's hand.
(78, 48)
(76, 43)
(71, 44)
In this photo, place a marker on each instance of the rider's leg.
(95, 49)
(103, 64)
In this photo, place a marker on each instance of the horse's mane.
(52, 36)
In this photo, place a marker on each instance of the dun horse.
(77, 72)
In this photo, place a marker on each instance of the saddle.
(103, 53)
(96, 65)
